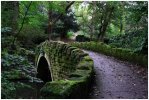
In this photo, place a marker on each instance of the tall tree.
(52, 21)
(22, 24)
(107, 10)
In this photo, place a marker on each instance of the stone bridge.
(66, 70)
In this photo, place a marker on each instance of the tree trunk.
(105, 23)
(100, 29)
(52, 22)
(15, 16)
(121, 26)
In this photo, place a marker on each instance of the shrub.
(7, 89)
(69, 34)
(6, 30)
(10, 61)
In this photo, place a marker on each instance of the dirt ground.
(116, 79)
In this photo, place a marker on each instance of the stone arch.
(69, 68)
(43, 69)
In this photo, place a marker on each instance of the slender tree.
(52, 22)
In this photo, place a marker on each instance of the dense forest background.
(25, 24)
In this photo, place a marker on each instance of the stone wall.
(120, 53)
(71, 70)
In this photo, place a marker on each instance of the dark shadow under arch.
(43, 71)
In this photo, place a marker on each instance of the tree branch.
(69, 5)
(66, 9)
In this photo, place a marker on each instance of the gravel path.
(116, 79)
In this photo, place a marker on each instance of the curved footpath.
(116, 79)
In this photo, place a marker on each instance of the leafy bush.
(9, 61)
(5, 30)
(69, 34)
(7, 89)
(7, 39)
(133, 40)
(15, 75)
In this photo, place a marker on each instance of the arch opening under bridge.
(43, 70)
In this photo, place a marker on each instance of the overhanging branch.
(66, 9)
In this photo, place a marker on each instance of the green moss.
(85, 65)
(70, 63)
(74, 51)
(121, 53)
(82, 75)
(88, 58)
(58, 89)
(69, 50)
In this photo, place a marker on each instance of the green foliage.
(15, 75)
(9, 89)
(10, 61)
(37, 18)
(36, 14)
(9, 14)
(58, 6)
(70, 34)
(6, 42)
(112, 31)
(135, 27)
(66, 23)
(30, 36)
(7, 38)
(127, 17)
(6, 30)
(34, 23)
(134, 40)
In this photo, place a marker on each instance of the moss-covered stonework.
(71, 70)
(121, 53)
